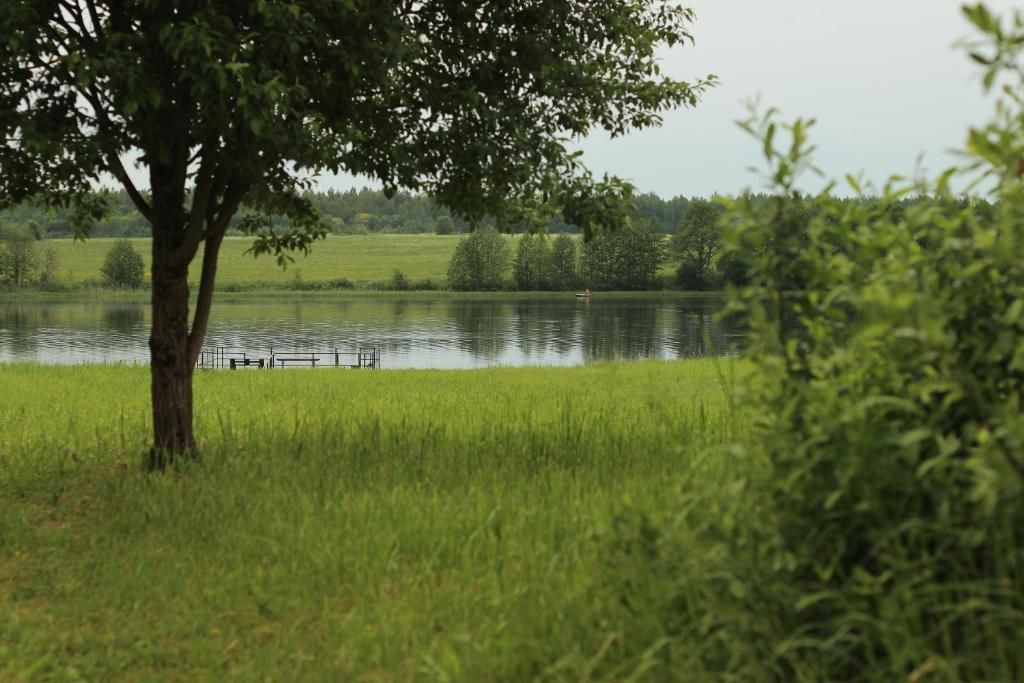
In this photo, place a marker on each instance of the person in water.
(586, 292)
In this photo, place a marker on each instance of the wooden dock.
(223, 358)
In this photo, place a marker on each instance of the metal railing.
(220, 357)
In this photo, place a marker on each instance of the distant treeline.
(687, 235)
(351, 212)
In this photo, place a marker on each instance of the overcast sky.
(881, 76)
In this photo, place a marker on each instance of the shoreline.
(142, 296)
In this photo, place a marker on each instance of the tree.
(47, 266)
(18, 257)
(626, 259)
(479, 262)
(230, 102)
(696, 244)
(565, 256)
(532, 265)
(444, 225)
(123, 266)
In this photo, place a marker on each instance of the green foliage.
(874, 529)
(892, 393)
(623, 260)
(696, 245)
(275, 92)
(531, 268)
(399, 282)
(479, 262)
(48, 267)
(565, 256)
(18, 258)
(443, 225)
(123, 266)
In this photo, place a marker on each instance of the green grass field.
(342, 526)
(362, 259)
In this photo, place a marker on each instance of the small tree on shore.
(18, 258)
(123, 266)
(479, 262)
(532, 266)
(444, 225)
(625, 260)
(565, 256)
(697, 244)
(47, 267)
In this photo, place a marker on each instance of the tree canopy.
(473, 103)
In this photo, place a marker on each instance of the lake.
(416, 332)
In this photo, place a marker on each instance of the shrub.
(123, 266)
(890, 403)
(47, 267)
(399, 282)
(18, 258)
(426, 285)
(340, 283)
(444, 225)
(873, 529)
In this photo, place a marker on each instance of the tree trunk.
(170, 361)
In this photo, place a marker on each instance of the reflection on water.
(436, 332)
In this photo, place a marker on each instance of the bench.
(281, 360)
(245, 362)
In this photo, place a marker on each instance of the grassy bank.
(142, 296)
(362, 261)
(413, 525)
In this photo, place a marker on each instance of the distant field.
(363, 259)
(344, 525)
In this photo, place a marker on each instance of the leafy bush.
(399, 281)
(18, 258)
(47, 267)
(426, 285)
(123, 266)
(479, 262)
(873, 529)
(444, 225)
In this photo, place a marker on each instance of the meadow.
(364, 260)
(342, 525)
(361, 259)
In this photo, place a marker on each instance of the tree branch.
(94, 18)
(214, 235)
(117, 168)
(204, 300)
(228, 207)
(201, 197)
(114, 160)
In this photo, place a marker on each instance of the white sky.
(881, 76)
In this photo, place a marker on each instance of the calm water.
(412, 333)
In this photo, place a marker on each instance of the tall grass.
(342, 525)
